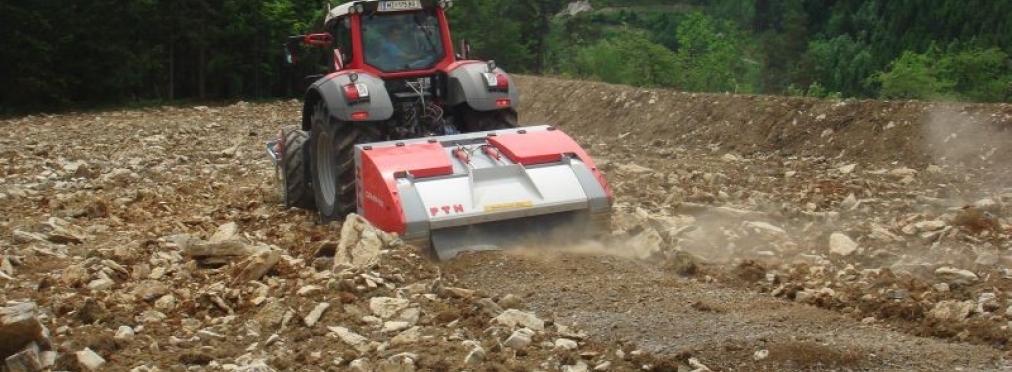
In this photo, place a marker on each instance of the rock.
(149, 290)
(730, 158)
(986, 259)
(151, 316)
(580, 366)
(360, 243)
(903, 172)
(475, 357)
(360, 365)
(986, 203)
(847, 169)
(409, 315)
(765, 227)
(849, 202)
(882, 234)
(166, 303)
(513, 318)
(841, 245)
(956, 276)
(632, 168)
(647, 243)
(760, 355)
(19, 326)
(409, 336)
(224, 246)
(390, 327)
(511, 301)
(519, 339)
(387, 307)
(355, 340)
(309, 290)
(26, 360)
(101, 284)
(256, 266)
(256, 366)
(314, 316)
(951, 310)
(604, 366)
(124, 333)
(566, 344)
(569, 332)
(403, 362)
(699, 367)
(930, 225)
(463, 293)
(89, 360)
(63, 232)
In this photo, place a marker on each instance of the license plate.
(393, 6)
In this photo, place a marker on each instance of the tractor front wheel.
(295, 189)
(332, 160)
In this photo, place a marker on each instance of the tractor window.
(402, 41)
(342, 38)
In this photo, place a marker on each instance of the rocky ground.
(750, 233)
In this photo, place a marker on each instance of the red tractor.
(417, 138)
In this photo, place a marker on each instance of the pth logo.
(446, 209)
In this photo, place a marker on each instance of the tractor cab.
(391, 39)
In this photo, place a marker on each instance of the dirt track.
(752, 188)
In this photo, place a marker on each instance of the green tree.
(629, 58)
(912, 76)
(708, 59)
(978, 74)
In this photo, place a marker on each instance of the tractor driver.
(394, 46)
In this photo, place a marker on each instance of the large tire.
(295, 190)
(332, 163)
(477, 121)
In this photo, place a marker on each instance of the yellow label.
(511, 205)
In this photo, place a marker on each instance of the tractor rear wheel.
(295, 190)
(477, 121)
(332, 161)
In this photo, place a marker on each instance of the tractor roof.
(375, 5)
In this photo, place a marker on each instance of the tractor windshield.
(402, 41)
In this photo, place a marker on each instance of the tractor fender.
(330, 89)
(467, 85)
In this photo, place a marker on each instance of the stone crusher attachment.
(482, 190)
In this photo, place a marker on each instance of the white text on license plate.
(393, 6)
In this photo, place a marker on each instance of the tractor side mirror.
(318, 40)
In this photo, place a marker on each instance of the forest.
(81, 54)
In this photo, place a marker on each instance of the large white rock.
(124, 333)
(513, 318)
(565, 344)
(953, 275)
(841, 245)
(409, 336)
(387, 307)
(314, 316)
(355, 340)
(360, 243)
(89, 360)
(951, 310)
(519, 339)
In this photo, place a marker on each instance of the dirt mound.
(909, 132)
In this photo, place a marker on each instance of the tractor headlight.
(359, 8)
